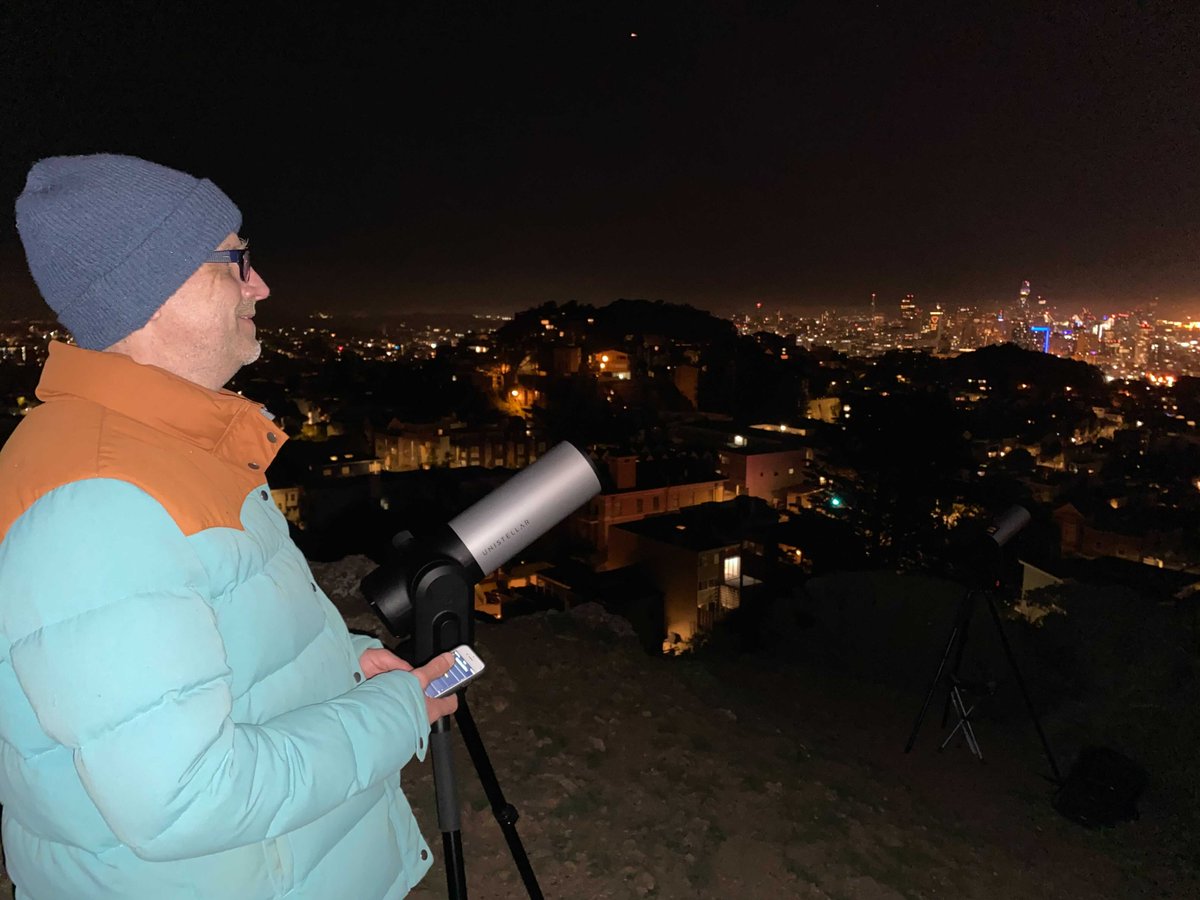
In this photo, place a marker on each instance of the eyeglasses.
(241, 256)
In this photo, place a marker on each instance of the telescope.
(425, 591)
(975, 555)
(988, 557)
(1005, 527)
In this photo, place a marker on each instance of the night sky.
(493, 156)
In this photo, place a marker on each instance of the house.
(1130, 536)
(768, 474)
(1154, 582)
(643, 487)
(404, 446)
(698, 558)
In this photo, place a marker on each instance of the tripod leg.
(958, 635)
(964, 713)
(1012, 661)
(937, 679)
(506, 814)
(449, 819)
(964, 724)
(972, 741)
(950, 736)
(964, 626)
(956, 700)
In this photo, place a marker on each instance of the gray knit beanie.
(110, 238)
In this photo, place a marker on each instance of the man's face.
(206, 326)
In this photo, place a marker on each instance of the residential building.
(638, 490)
(766, 474)
(697, 558)
(403, 446)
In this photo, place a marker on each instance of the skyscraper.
(1022, 321)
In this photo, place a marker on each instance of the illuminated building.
(640, 491)
(697, 558)
(909, 314)
(612, 364)
(1041, 337)
(766, 474)
(449, 443)
(1021, 321)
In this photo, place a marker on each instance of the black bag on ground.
(1101, 789)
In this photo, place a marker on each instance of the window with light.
(733, 568)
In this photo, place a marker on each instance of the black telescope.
(425, 591)
(989, 553)
(976, 555)
(1005, 527)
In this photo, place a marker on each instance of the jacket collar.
(217, 421)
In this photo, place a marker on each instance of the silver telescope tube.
(526, 506)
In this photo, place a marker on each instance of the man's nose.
(255, 288)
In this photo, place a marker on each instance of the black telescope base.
(449, 819)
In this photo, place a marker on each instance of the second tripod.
(947, 676)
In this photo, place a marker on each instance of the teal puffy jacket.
(182, 714)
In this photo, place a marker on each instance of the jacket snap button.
(313, 585)
(271, 437)
(263, 494)
(357, 677)
(253, 465)
(424, 854)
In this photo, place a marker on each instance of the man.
(183, 713)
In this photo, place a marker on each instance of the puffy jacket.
(182, 714)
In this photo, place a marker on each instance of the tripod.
(446, 792)
(947, 673)
(443, 621)
(426, 591)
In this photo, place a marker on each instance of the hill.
(754, 776)
(751, 776)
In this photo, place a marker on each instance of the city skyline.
(699, 153)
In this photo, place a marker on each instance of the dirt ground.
(733, 778)
(638, 777)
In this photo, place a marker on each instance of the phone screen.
(461, 672)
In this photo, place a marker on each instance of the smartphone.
(467, 667)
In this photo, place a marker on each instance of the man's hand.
(377, 660)
(435, 668)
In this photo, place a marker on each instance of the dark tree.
(741, 379)
(576, 409)
(908, 451)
